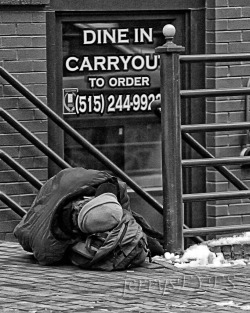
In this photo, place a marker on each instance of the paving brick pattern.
(28, 287)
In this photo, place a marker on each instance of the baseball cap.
(100, 214)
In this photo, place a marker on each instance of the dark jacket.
(39, 232)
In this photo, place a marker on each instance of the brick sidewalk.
(29, 287)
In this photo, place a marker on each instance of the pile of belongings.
(84, 216)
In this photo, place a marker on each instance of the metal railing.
(172, 134)
(20, 170)
(53, 156)
(12, 204)
(78, 138)
(33, 139)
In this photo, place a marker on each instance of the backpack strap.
(118, 233)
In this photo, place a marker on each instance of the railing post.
(171, 142)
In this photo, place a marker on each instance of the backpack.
(123, 247)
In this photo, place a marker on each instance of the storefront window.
(110, 78)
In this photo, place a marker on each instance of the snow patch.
(200, 254)
(237, 239)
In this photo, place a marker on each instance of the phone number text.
(100, 104)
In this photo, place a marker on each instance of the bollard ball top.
(169, 31)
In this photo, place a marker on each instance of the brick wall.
(227, 31)
(23, 54)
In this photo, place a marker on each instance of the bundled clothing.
(71, 210)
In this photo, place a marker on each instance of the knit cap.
(100, 214)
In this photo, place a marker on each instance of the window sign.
(111, 75)
(110, 68)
